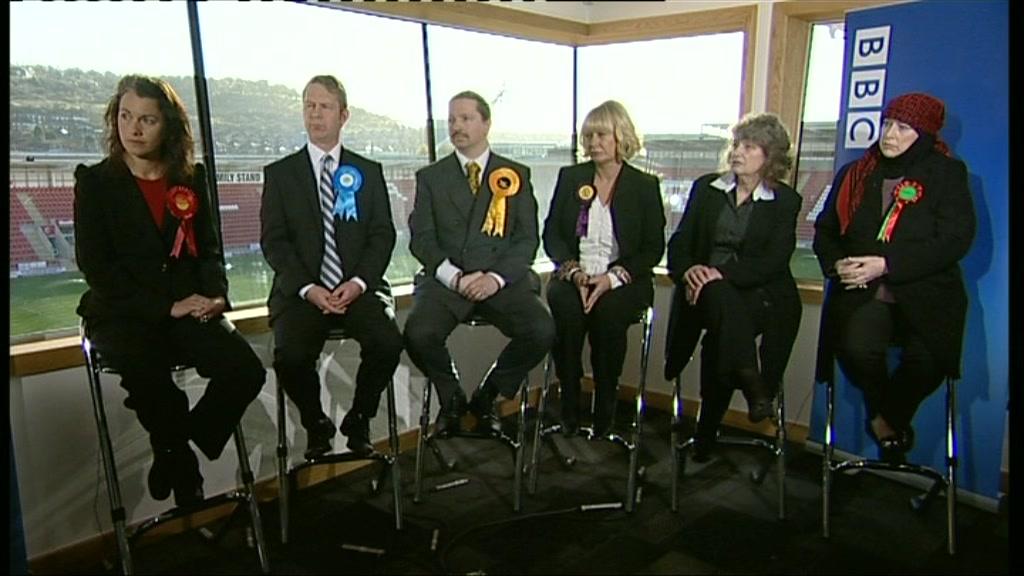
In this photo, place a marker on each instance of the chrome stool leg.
(283, 477)
(424, 432)
(117, 512)
(539, 425)
(396, 469)
(826, 461)
(250, 496)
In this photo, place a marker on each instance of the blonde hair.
(612, 117)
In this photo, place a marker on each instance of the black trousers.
(143, 354)
(516, 310)
(732, 319)
(605, 327)
(863, 351)
(299, 336)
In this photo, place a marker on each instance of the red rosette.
(183, 204)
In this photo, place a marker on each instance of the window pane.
(59, 92)
(256, 76)
(529, 87)
(682, 112)
(818, 140)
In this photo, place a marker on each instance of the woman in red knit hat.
(889, 239)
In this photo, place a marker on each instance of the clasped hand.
(591, 288)
(857, 271)
(477, 286)
(334, 301)
(199, 307)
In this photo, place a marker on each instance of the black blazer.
(292, 235)
(124, 256)
(930, 239)
(446, 220)
(762, 263)
(638, 218)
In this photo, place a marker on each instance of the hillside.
(54, 110)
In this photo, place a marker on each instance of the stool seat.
(543, 433)
(95, 366)
(389, 461)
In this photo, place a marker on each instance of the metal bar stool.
(389, 462)
(542, 433)
(940, 482)
(777, 446)
(516, 445)
(95, 366)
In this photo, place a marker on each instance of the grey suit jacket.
(447, 218)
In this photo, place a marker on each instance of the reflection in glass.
(816, 155)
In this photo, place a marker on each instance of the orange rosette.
(503, 182)
(183, 204)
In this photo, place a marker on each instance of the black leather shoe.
(759, 409)
(482, 406)
(161, 475)
(894, 448)
(759, 397)
(356, 427)
(449, 419)
(188, 482)
(318, 437)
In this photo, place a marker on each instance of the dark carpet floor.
(726, 523)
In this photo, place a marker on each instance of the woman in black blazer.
(889, 239)
(605, 233)
(729, 258)
(146, 242)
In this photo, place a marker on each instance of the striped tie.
(330, 268)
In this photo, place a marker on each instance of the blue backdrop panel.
(957, 51)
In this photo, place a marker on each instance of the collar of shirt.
(727, 181)
(481, 160)
(316, 156)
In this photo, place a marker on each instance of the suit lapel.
(307, 187)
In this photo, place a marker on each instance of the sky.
(380, 61)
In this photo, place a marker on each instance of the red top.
(155, 193)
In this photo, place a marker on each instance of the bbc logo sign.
(866, 86)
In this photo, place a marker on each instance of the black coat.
(638, 218)
(923, 255)
(761, 263)
(126, 259)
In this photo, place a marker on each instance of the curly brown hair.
(767, 131)
(176, 150)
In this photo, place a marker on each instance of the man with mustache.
(474, 229)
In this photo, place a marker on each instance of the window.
(814, 172)
(529, 87)
(256, 77)
(66, 60)
(681, 100)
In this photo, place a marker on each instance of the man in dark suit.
(474, 229)
(327, 233)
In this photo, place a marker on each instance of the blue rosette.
(348, 180)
